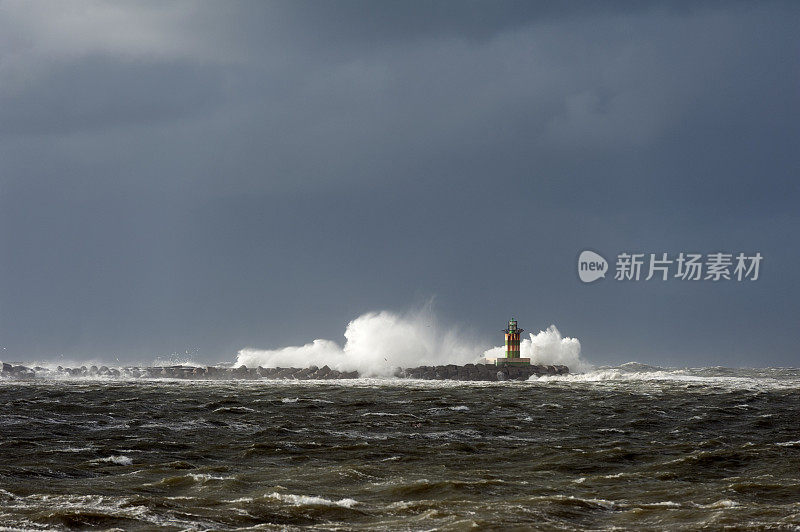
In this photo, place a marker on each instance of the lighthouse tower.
(512, 347)
(512, 339)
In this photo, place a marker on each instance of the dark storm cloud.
(386, 23)
(99, 93)
(396, 21)
(179, 176)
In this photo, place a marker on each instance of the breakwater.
(466, 372)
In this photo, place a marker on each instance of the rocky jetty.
(467, 372)
(480, 372)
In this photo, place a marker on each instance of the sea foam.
(378, 342)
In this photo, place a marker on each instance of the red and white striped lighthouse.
(512, 357)
(512, 339)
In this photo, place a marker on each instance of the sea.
(632, 447)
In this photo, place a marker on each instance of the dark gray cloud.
(188, 176)
(100, 93)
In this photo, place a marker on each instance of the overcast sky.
(208, 176)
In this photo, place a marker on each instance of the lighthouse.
(512, 357)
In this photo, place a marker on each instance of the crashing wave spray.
(549, 347)
(375, 344)
(378, 342)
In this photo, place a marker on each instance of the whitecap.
(306, 500)
(72, 450)
(722, 503)
(603, 503)
(115, 459)
(233, 409)
(205, 476)
(668, 504)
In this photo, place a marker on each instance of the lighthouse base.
(506, 361)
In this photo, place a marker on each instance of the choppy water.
(631, 447)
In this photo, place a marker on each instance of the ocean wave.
(720, 504)
(71, 450)
(590, 502)
(663, 504)
(189, 479)
(115, 459)
(698, 376)
(206, 477)
(232, 410)
(433, 488)
(92, 507)
(439, 410)
(376, 343)
(307, 500)
(240, 500)
(176, 426)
